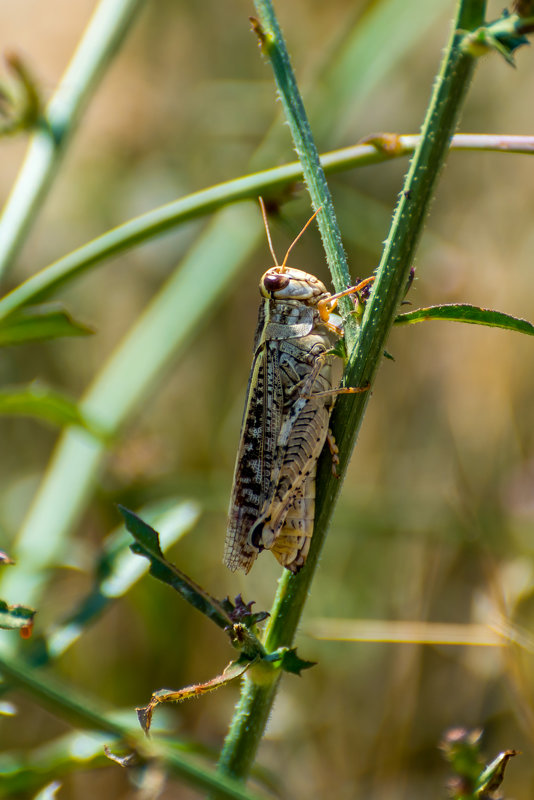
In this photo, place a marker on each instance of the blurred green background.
(436, 519)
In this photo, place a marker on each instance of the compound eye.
(274, 282)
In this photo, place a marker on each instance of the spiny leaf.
(463, 312)
(38, 323)
(143, 533)
(287, 659)
(291, 662)
(234, 670)
(147, 545)
(503, 35)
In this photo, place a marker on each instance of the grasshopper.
(291, 392)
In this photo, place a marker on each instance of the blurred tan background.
(436, 519)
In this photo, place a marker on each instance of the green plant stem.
(101, 41)
(248, 725)
(274, 47)
(441, 118)
(199, 204)
(167, 217)
(85, 714)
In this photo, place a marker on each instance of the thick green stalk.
(441, 119)
(104, 36)
(248, 725)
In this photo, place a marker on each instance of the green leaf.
(15, 617)
(287, 659)
(117, 570)
(339, 349)
(504, 35)
(492, 777)
(40, 402)
(291, 662)
(147, 545)
(38, 323)
(463, 312)
(144, 535)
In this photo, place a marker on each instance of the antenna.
(267, 231)
(298, 237)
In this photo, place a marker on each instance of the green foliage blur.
(436, 519)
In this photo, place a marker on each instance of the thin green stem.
(101, 41)
(392, 274)
(274, 47)
(199, 204)
(442, 115)
(84, 713)
(169, 216)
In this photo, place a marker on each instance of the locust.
(293, 384)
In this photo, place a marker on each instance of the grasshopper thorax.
(288, 283)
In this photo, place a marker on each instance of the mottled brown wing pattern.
(262, 420)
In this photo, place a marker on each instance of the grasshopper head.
(288, 283)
